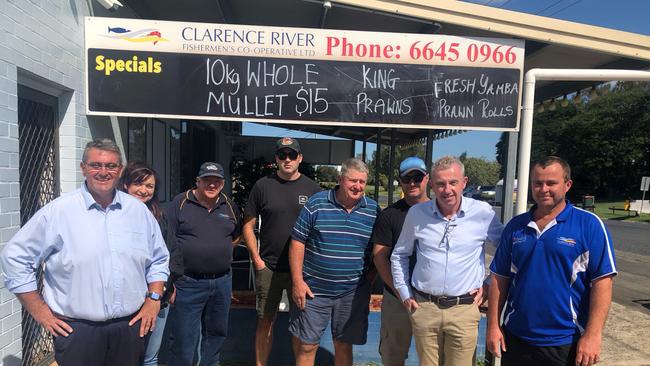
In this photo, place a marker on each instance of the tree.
(326, 173)
(401, 153)
(480, 171)
(606, 140)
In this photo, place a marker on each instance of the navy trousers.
(107, 343)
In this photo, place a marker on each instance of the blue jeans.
(201, 306)
(155, 339)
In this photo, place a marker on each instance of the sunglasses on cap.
(282, 155)
(416, 178)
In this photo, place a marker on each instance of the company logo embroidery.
(286, 141)
(211, 167)
(302, 199)
(139, 36)
(518, 239)
(566, 241)
(224, 216)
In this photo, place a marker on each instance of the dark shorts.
(522, 353)
(348, 315)
(268, 290)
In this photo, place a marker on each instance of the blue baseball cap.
(410, 164)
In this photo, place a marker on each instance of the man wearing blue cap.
(395, 334)
(442, 292)
(203, 225)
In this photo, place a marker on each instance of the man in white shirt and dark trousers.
(105, 266)
(447, 235)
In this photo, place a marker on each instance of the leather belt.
(446, 301)
(206, 276)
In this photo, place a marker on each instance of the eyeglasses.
(282, 155)
(98, 166)
(417, 178)
(444, 241)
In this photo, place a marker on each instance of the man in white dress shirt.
(447, 235)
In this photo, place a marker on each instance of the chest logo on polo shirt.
(302, 200)
(518, 238)
(566, 241)
(224, 216)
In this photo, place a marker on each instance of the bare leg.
(305, 353)
(342, 353)
(263, 340)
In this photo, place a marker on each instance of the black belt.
(96, 322)
(206, 276)
(446, 301)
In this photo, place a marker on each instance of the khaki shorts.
(268, 290)
(395, 334)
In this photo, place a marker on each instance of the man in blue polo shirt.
(554, 266)
(329, 256)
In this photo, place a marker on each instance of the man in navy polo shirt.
(329, 257)
(554, 266)
(204, 224)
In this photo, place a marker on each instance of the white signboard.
(231, 72)
(645, 184)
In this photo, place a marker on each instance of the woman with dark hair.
(140, 181)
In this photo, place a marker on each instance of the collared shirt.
(551, 271)
(337, 242)
(201, 239)
(450, 253)
(97, 261)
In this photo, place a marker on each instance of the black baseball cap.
(209, 169)
(287, 143)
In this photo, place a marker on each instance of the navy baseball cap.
(412, 164)
(209, 169)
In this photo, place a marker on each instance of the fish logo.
(518, 239)
(566, 241)
(141, 35)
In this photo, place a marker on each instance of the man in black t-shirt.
(276, 199)
(395, 334)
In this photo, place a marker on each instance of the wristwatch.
(154, 296)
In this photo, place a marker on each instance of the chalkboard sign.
(349, 91)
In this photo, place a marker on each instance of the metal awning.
(550, 43)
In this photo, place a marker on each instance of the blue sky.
(625, 15)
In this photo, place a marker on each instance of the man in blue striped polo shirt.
(329, 258)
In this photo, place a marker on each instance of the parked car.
(471, 191)
(484, 193)
(488, 192)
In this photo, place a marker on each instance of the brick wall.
(41, 46)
